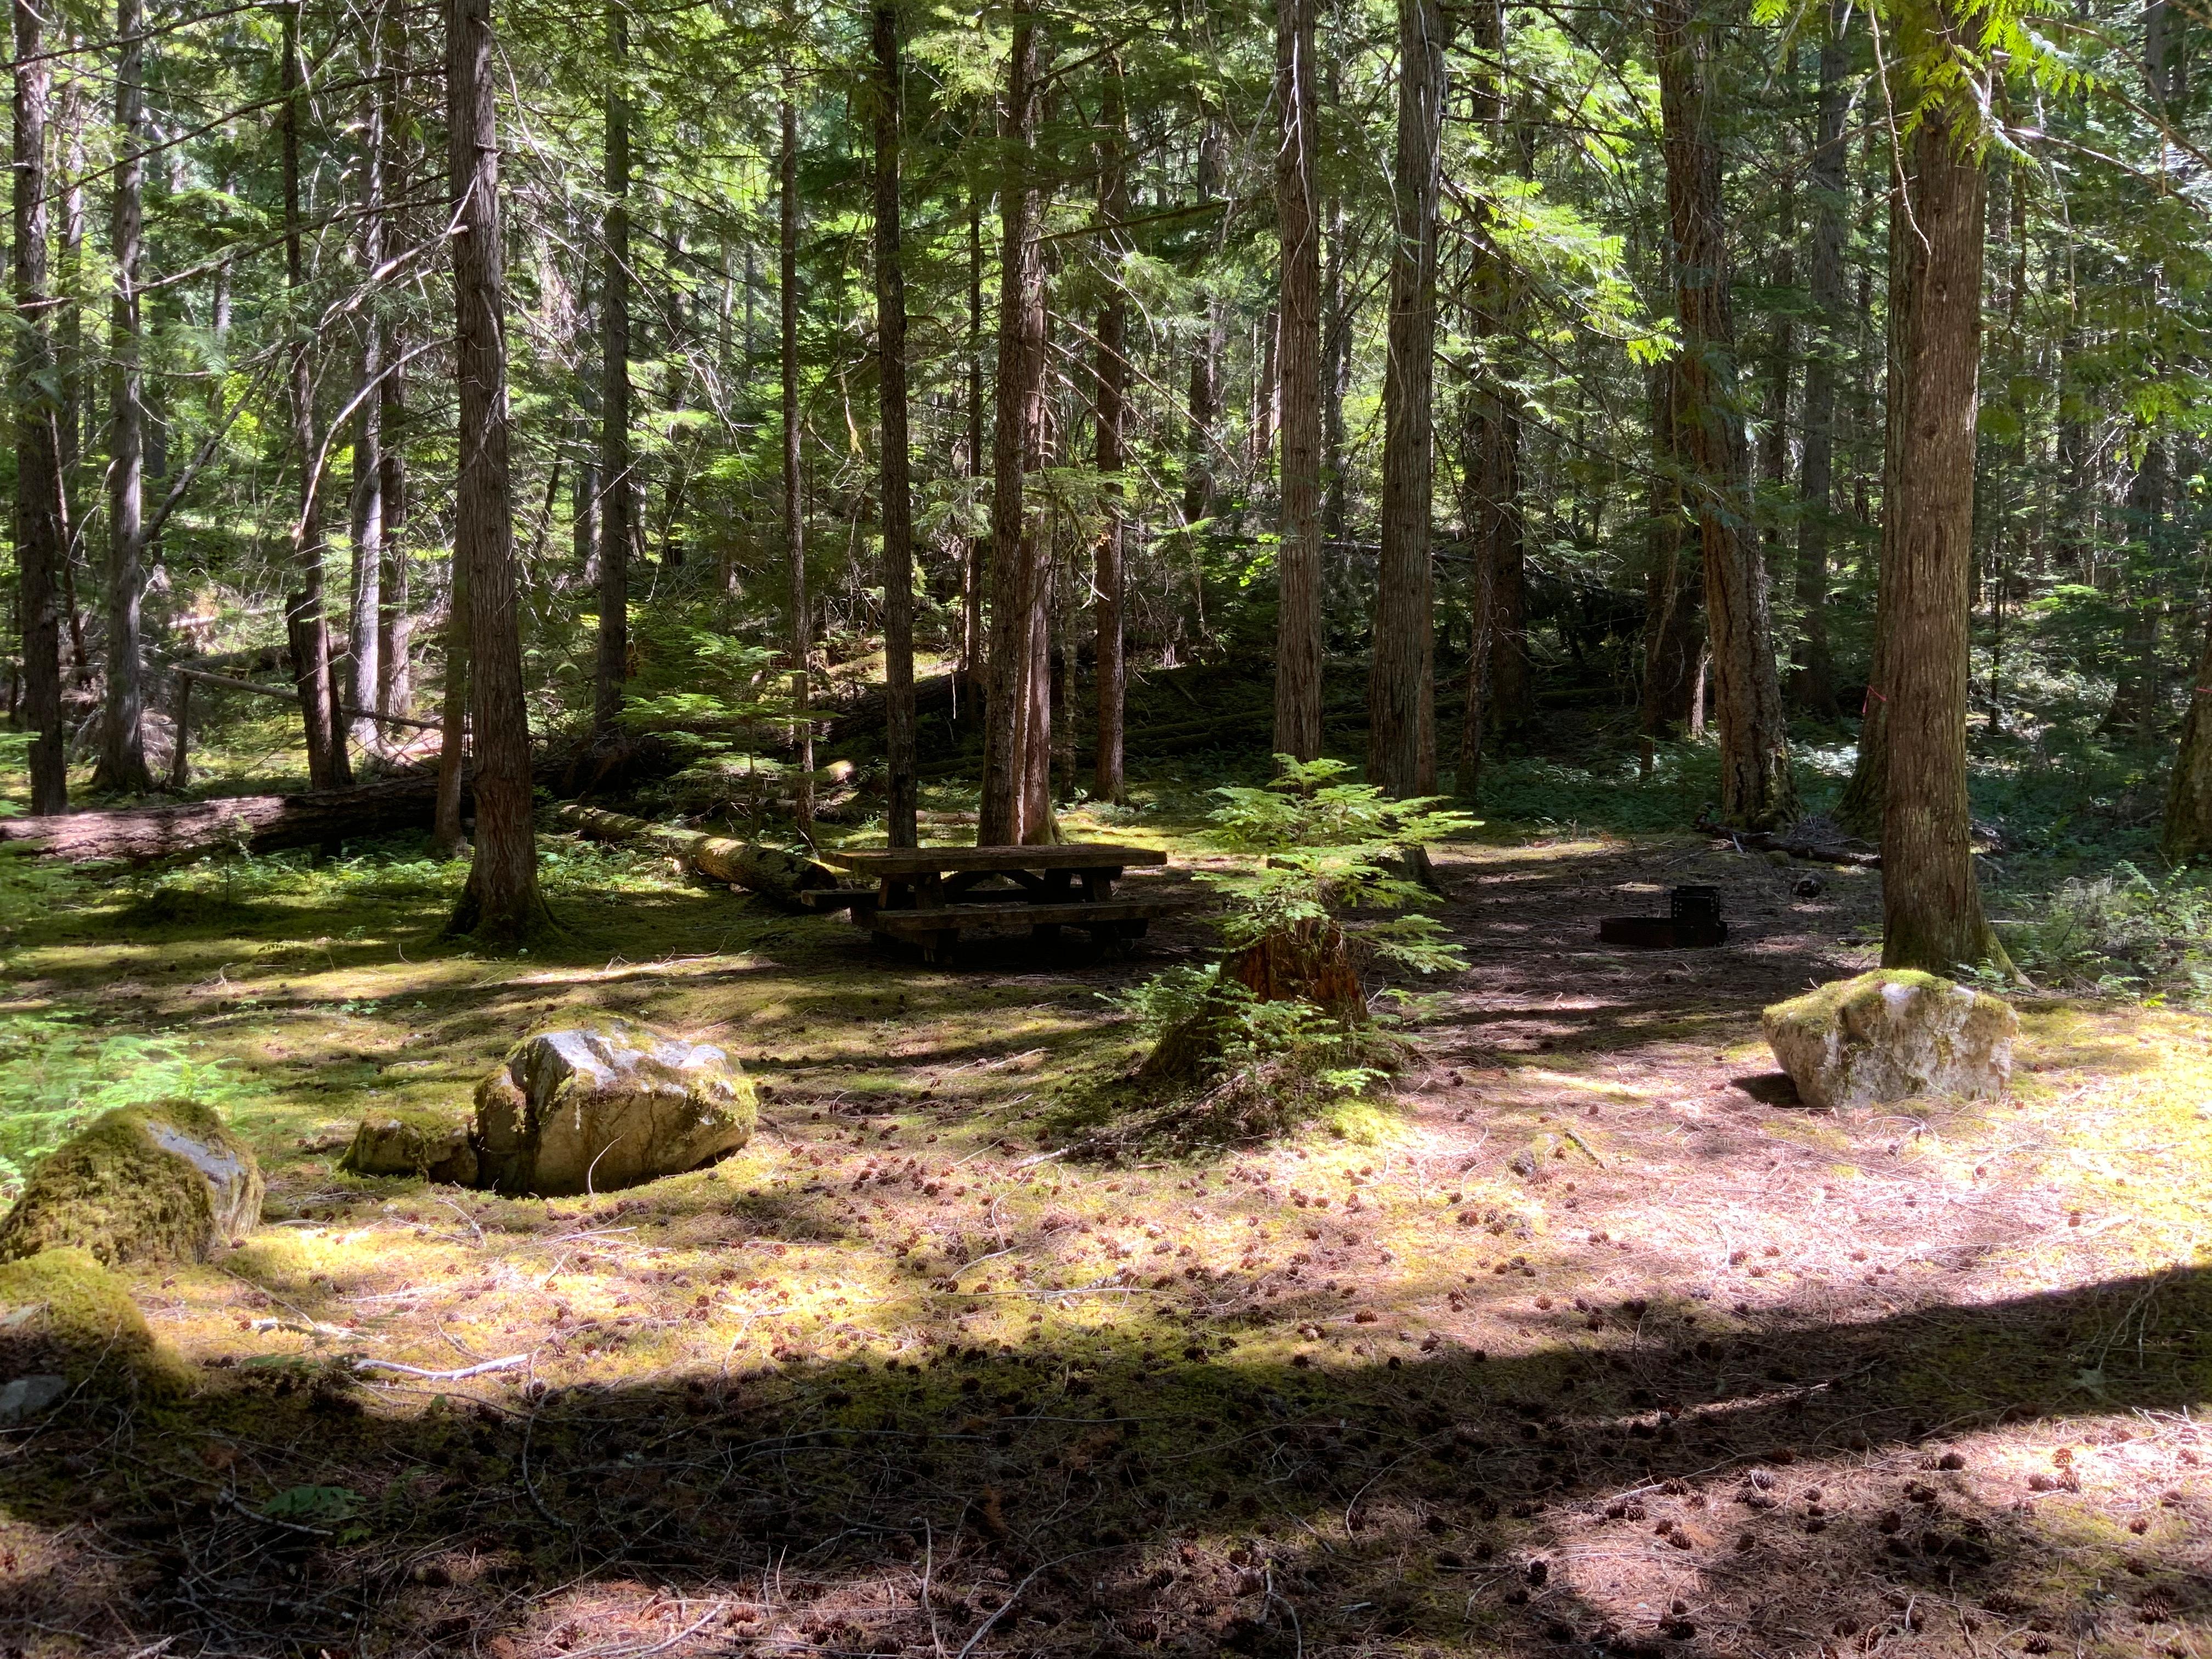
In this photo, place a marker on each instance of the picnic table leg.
(938, 949)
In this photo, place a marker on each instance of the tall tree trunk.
(1017, 731)
(365, 594)
(1861, 808)
(1401, 743)
(1756, 788)
(1674, 643)
(1813, 680)
(617, 496)
(1336, 368)
(1112, 373)
(122, 766)
(395, 623)
(305, 625)
(1298, 557)
(794, 493)
(973, 548)
(1498, 525)
(898, 505)
(501, 902)
(38, 464)
(1932, 914)
(1206, 358)
(2138, 686)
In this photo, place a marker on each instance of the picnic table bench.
(931, 895)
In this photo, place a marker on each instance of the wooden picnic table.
(933, 895)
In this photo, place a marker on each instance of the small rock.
(27, 1396)
(143, 1184)
(596, 1109)
(402, 1143)
(1890, 1035)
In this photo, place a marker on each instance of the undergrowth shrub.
(2123, 934)
(1249, 1046)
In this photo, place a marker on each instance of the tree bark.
(973, 548)
(1402, 747)
(1500, 549)
(305, 625)
(395, 623)
(1018, 730)
(1932, 914)
(898, 504)
(122, 768)
(501, 902)
(1813, 679)
(365, 595)
(1756, 787)
(1298, 557)
(616, 495)
(38, 463)
(1674, 643)
(795, 498)
(1112, 373)
(1206, 359)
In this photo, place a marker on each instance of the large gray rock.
(1890, 1035)
(400, 1142)
(143, 1184)
(593, 1109)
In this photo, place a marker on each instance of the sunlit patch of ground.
(1589, 1337)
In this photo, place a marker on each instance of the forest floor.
(1587, 1336)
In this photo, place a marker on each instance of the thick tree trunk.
(1112, 373)
(1017, 731)
(794, 489)
(1932, 914)
(898, 505)
(1813, 678)
(1402, 744)
(122, 766)
(305, 625)
(617, 493)
(38, 463)
(1298, 557)
(1756, 788)
(365, 595)
(1336, 368)
(501, 902)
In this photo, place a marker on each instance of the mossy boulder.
(66, 1320)
(411, 1143)
(142, 1183)
(1890, 1035)
(591, 1108)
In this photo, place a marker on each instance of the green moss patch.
(156, 1183)
(61, 1312)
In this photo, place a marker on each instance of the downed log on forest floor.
(268, 823)
(768, 870)
(1760, 840)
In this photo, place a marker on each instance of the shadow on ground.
(1647, 1489)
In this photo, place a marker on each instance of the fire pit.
(1692, 922)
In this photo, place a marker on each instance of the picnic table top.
(894, 861)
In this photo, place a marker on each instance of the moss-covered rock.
(410, 1142)
(596, 1108)
(63, 1315)
(1890, 1035)
(143, 1184)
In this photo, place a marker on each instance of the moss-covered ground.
(1586, 1336)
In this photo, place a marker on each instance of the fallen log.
(768, 870)
(261, 824)
(268, 823)
(1760, 840)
